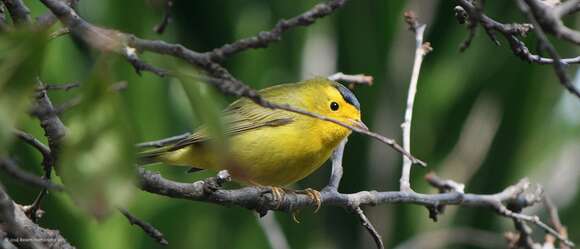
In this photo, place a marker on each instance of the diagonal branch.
(14, 171)
(530, 8)
(511, 32)
(264, 38)
(366, 223)
(150, 230)
(18, 11)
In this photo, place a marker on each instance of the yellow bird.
(271, 147)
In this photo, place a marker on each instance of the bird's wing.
(240, 117)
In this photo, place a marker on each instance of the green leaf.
(21, 55)
(98, 160)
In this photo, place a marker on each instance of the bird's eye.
(333, 106)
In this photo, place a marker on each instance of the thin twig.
(336, 173)
(366, 223)
(360, 79)
(264, 38)
(58, 33)
(64, 86)
(511, 32)
(42, 148)
(163, 142)
(13, 170)
(546, 44)
(160, 28)
(150, 230)
(420, 51)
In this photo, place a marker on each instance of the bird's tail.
(150, 156)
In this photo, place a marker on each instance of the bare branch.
(24, 232)
(160, 28)
(18, 11)
(530, 7)
(519, 48)
(150, 230)
(366, 223)
(163, 142)
(547, 18)
(567, 8)
(13, 170)
(421, 49)
(64, 86)
(43, 149)
(359, 79)
(263, 39)
(336, 174)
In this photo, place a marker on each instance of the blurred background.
(482, 117)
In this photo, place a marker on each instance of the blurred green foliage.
(537, 134)
(21, 51)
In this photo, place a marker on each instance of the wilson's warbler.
(271, 147)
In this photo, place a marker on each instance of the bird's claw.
(314, 195)
(277, 195)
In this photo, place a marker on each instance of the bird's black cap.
(348, 95)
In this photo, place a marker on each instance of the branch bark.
(421, 50)
(23, 232)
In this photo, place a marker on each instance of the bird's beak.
(359, 124)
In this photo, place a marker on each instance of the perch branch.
(261, 199)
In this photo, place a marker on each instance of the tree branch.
(336, 174)
(13, 170)
(150, 230)
(18, 11)
(421, 49)
(519, 48)
(264, 38)
(366, 223)
(531, 9)
(23, 232)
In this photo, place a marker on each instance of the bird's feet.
(314, 195)
(278, 195)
